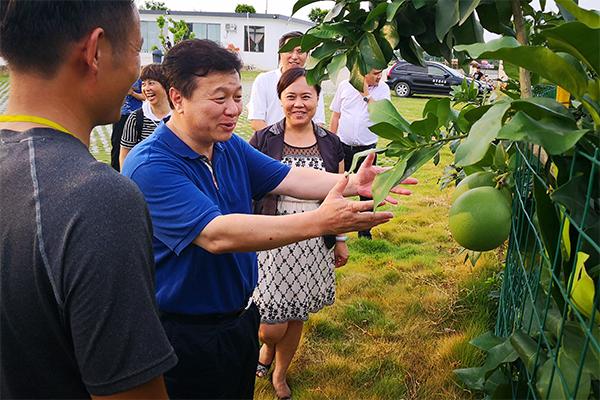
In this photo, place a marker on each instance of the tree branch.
(519, 21)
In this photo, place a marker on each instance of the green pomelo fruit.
(478, 179)
(480, 219)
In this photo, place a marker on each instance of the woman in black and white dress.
(297, 279)
(155, 109)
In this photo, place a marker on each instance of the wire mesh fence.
(551, 284)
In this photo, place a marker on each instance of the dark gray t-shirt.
(78, 312)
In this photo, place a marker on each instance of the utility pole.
(266, 6)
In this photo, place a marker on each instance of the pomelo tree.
(550, 147)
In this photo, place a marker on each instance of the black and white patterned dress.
(297, 279)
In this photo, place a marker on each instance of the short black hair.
(35, 34)
(290, 76)
(155, 72)
(196, 57)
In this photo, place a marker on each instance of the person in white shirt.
(264, 107)
(350, 119)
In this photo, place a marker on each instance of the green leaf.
(540, 107)
(392, 9)
(573, 339)
(387, 131)
(466, 8)
(330, 30)
(389, 32)
(326, 49)
(372, 20)
(300, 4)
(419, 3)
(496, 17)
(555, 135)
(387, 180)
(336, 64)
(572, 195)
(589, 17)
(357, 79)
(533, 58)
(335, 11)
(430, 43)
(311, 62)
(316, 75)
(486, 341)
(475, 50)
(371, 53)
(498, 355)
(447, 15)
(384, 45)
(409, 21)
(361, 154)
(419, 158)
(482, 133)
(563, 383)
(469, 32)
(498, 385)
(441, 109)
(291, 44)
(473, 378)
(385, 111)
(410, 51)
(309, 42)
(512, 71)
(406, 166)
(578, 40)
(425, 127)
(527, 348)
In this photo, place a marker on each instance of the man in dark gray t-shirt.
(77, 294)
(78, 316)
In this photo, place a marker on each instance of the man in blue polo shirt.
(199, 181)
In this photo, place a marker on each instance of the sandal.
(262, 369)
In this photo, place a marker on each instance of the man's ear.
(93, 49)
(176, 100)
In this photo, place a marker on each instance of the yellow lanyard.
(35, 120)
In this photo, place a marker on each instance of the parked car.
(406, 79)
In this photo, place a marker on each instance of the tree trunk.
(519, 21)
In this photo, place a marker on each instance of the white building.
(256, 35)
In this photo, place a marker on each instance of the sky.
(284, 7)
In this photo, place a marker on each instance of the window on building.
(254, 39)
(149, 31)
(207, 31)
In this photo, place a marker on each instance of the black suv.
(406, 79)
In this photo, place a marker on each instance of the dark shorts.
(217, 359)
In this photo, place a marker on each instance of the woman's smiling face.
(154, 92)
(299, 102)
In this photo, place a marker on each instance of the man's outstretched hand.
(362, 181)
(340, 215)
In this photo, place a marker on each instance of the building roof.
(227, 14)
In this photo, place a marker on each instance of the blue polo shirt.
(183, 198)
